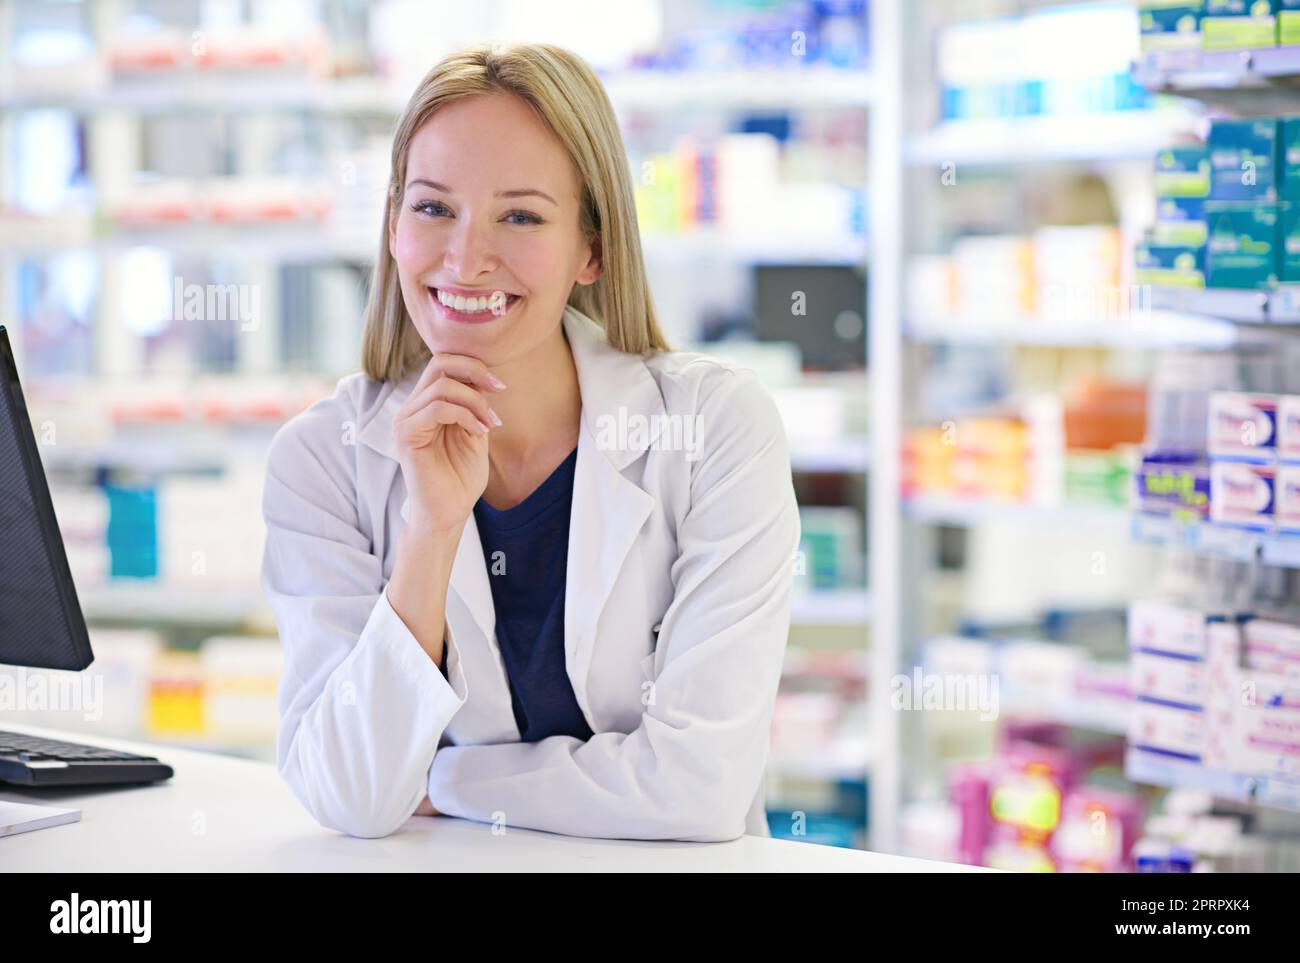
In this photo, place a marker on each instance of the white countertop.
(219, 813)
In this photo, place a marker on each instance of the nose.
(470, 251)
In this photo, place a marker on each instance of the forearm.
(417, 589)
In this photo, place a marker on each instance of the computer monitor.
(831, 331)
(41, 624)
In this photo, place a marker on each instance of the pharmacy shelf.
(850, 455)
(158, 602)
(813, 87)
(846, 250)
(1149, 768)
(183, 92)
(1279, 305)
(831, 607)
(1261, 80)
(845, 759)
(1218, 541)
(964, 513)
(1095, 715)
(324, 242)
(1153, 331)
(1117, 135)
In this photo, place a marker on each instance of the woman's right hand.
(441, 432)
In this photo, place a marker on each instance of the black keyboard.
(34, 761)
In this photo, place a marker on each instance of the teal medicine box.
(1183, 172)
(1180, 220)
(1242, 249)
(1170, 25)
(1289, 241)
(1169, 265)
(1243, 159)
(1288, 132)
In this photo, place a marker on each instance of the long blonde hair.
(568, 96)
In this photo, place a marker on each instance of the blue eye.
(528, 218)
(420, 206)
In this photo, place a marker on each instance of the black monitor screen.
(821, 308)
(41, 625)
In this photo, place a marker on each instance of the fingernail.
(496, 382)
(496, 419)
(485, 428)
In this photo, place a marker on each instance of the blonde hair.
(569, 98)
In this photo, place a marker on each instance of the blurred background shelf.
(1119, 135)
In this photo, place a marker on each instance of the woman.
(531, 566)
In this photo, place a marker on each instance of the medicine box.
(1242, 495)
(1165, 679)
(1241, 251)
(1243, 159)
(1164, 628)
(1167, 25)
(1287, 489)
(1180, 220)
(1183, 172)
(1288, 21)
(1242, 427)
(1169, 265)
(1239, 24)
(1288, 428)
(1288, 152)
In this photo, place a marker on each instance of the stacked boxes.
(1174, 253)
(1216, 689)
(1254, 449)
(1238, 24)
(1241, 212)
(1218, 24)
(1228, 213)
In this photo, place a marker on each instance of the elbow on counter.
(366, 815)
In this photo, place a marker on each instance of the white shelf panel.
(158, 602)
(801, 88)
(1219, 541)
(1193, 71)
(1279, 305)
(1145, 767)
(1117, 135)
(1161, 329)
(640, 89)
(831, 607)
(812, 455)
(968, 514)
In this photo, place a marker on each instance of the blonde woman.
(531, 566)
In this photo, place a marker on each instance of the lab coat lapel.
(609, 509)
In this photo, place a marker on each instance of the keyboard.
(34, 761)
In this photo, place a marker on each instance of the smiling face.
(489, 213)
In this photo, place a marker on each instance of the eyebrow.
(518, 192)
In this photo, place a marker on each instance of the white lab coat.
(677, 609)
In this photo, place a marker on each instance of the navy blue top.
(527, 580)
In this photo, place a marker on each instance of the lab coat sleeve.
(691, 768)
(362, 706)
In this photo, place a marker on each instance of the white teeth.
(476, 305)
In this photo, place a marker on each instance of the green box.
(1183, 172)
(1239, 24)
(1169, 265)
(1242, 250)
(1170, 24)
(1289, 241)
(1288, 21)
(1244, 159)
